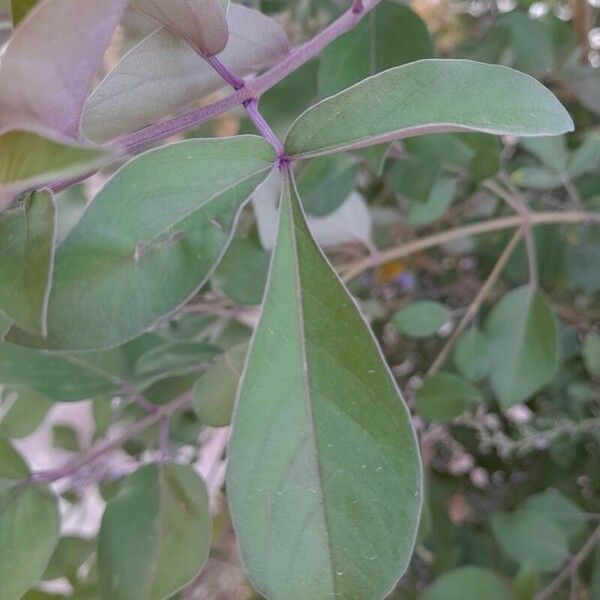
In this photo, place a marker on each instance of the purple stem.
(263, 127)
(233, 80)
(137, 141)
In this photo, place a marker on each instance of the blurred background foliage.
(504, 385)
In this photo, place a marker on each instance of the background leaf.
(523, 338)
(421, 318)
(28, 526)
(444, 396)
(336, 507)
(467, 583)
(155, 534)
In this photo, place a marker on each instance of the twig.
(571, 568)
(354, 269)
(477, 302)
(162, 412)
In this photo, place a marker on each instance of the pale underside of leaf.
(162, 74)
(202, 23)
(48, 65)
(149, 241)
(324, 480)
(428, 96)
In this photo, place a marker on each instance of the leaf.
(214, 393)
(525, 583)
(26, 413)
(20, 8)
(47, 68)
(536, 178)
(155, 534)
(471, 355)
(162, 74)
(70, 554)
(560, 509)
(335, 508)
(242, 273)
(523, 340)
(28, 526)
(175, 358)
(65, 438)
(202, 23)
(421, 318)
(467, 583)
(324, 183)
(398, 103)
(61, 377)
(526, 536)
(551, 151)
(586, 159)
(28, 160)
(444, 396)
(135, 257)
(591, 354)
(27, 244)
(389, 36)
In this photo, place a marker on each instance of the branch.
(160, 414)
(571, 568)
(477, 302)
(354, 269)
(134, 142)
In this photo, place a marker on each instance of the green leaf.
(27, 245)
(20, 8)
(62, 377)
(174, 358)
(242, 273)
(69, 555)
(526, 536)
(421, 318)
(525, 583)
(28, 160)
(163, 74)
(215, 392)
(586, 159)
(28, 526)
(560, 509)
(444, 396)
(134, 257)
(65, 437)
(201, 23)
(25, 415)
(523, 341)
(335, 508)
(398, 103)
(467, 583)
(324, 183)
(471, 355)
(551, 151)
(155, 534)
(389, 36)
(536, 178)
(591, 354)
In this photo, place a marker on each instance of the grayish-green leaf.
(421, 318)
(149, 240)
(467, 583)
(28, 526)
(527, 536)
(428, 96)
(162, 74)
(215, 392)
(324, 183)
(388, 36)
(202, 23)
(444, 396)
(324, 481)
(65, 438)
(175, 358)
(27, 244)
(26, 413)
(28, 160)
(70, 554)
(471, 355)
(155, 534)
(242, 273)
(591, 354)
(523, 337)
(557, 507)
(20, 8)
